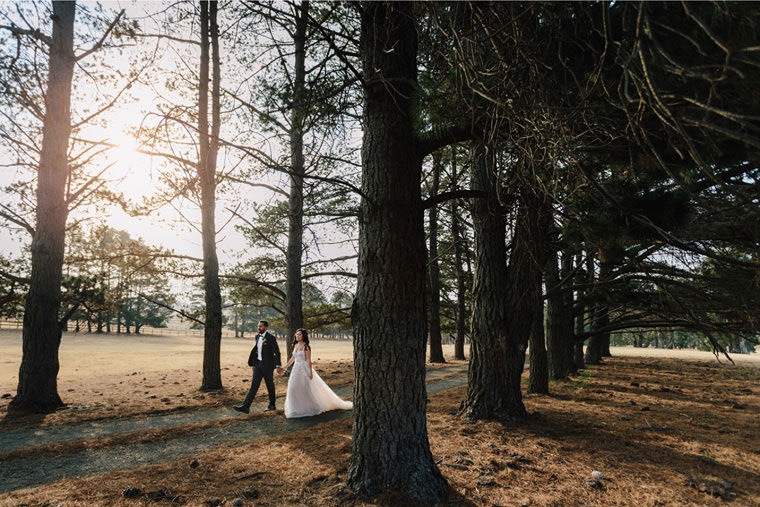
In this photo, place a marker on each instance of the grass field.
(87, 355)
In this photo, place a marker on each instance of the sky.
(137, 175)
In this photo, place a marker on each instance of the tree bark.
(461, 281)
(208, 148)
(606, 345)
(577, 362)
(539, 365)
(580, 320)
(488, 393)
(38, 374)
(390, 450)
(601, 320)
(526, 261)
(559, 320)
(434, 272)
(293, 283)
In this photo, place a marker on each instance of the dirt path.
(39, 469)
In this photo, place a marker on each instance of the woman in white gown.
(307, 393)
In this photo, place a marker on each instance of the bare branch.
(31, 33)
(14, 218)
(180, 312)
(103, 38)
(14, 278)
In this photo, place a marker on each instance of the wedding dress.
(307, 397)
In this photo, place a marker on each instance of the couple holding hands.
(307, 394)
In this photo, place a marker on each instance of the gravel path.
(40, 469)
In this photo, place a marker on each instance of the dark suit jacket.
(270, 352)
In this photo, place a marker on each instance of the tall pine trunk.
(580, 316)
(578, 362)
(539, 366)
(601, 319)
(460, 273)
(554, 348)
(38, 374)
(487, 390)
(390, 450)
(526, 261)
(559, 317)
(293, 283)
(434, 272)
(208, 148)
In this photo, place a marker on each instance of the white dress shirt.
(260, 343)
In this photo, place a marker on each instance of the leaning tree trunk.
(390, 450)
(487, 379)
(38, 375)
(293, 283)
(460, 274)
(434, 271)
(208, 148)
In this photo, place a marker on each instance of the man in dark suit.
(264, 358)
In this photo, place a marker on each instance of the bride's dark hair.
(305, 335)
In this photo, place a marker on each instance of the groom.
(264, 358)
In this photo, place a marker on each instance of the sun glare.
(129, 169)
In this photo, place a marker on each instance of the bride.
(307, 393)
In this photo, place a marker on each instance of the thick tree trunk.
(293, 284)
(559, 320)
(434, 272)
(580, 318)
(539, 365)
(491, 366)
(601, 320)
(577, 362)
(606, 346)
(594, 348)
(526, 261)
(390, 450)
(38, 375)
(460, 274)
(208, 148)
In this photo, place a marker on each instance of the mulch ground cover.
(633, 431)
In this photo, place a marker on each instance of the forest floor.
(660, 429)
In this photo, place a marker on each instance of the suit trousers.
(267, 374)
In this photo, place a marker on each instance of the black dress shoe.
(269, 408)
(241, 408)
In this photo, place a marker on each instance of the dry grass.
(646, 423)
(106, 376)
(111, 376)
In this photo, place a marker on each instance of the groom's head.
(263, 325)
